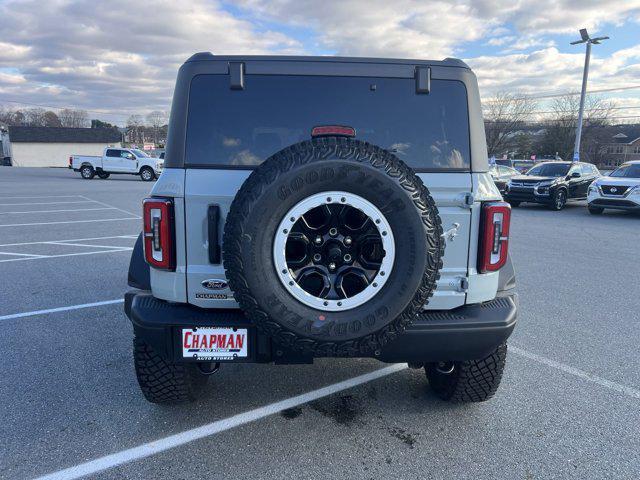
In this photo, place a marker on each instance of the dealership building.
(52, 146)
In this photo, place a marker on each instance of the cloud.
(548, 70)
(401, 28)
(122, 56)
(11, 78)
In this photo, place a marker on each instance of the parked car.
(501, 176)
(274, 235)
(117, 160)
(552, 184)
(521, 165)
(620, 190)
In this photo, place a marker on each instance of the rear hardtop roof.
(210, 57)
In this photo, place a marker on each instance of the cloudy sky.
(115, 58)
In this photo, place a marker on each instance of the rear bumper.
(466, 333)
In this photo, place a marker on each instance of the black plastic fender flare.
(139, 270)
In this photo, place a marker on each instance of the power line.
(540, 112)
(551, 120)
(571, 93)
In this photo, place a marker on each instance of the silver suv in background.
(323, 207)
(620, 190)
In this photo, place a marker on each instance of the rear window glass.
(242, 128)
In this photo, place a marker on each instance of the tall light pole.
(589, 41)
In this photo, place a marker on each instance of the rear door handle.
(213, 227)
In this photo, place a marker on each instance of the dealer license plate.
(214, 343)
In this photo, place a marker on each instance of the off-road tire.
(103, 175)
(470, 381)
(87, 172)
(163, 382)
(596, 210)
(514, 203)
(147, 174)
(285, 179)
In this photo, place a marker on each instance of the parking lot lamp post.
(589, 41)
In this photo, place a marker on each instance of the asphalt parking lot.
(568, 407)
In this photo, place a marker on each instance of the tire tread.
(164, 382)
(317, 150)
(471, 381)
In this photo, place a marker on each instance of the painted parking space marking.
(48, 257)
(163, 444)
(166, 443)
(46, 203)
(44, 196)
(69, 221)
(68, 308)
(58, 211)
(73, 244)
(603, 382)
(68, 240)
(22, 254)
(90, 245)
(157, 446)
(107, 205)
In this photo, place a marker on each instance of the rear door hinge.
(463, 284)
(466, 200)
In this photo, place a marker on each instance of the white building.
(52, 146)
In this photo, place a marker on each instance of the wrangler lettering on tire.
(332, 246)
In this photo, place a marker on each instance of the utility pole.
(589, 41)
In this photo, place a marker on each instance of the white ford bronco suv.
(323, 207)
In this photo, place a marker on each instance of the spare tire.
(332, 246)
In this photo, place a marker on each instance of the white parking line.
(107, 205)
(60, 309)
(47, 196)
(173, 441)
(21, 254)
(46, 203)
(85, 245)
(65, 210)
(47, 257)
(68, 240)
(603, 382)
(70, 221)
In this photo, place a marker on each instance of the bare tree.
(134, 128)
(8, 116)
(561, 126)
(156, 120)
(504, 116)
(35, 117)
(73, 118)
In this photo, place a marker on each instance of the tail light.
(494, 237)
(159, 233)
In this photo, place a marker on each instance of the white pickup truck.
(117, 160)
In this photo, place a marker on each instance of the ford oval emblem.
(213, 284)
